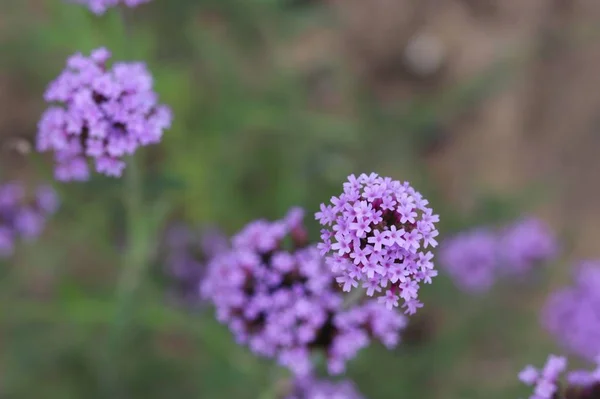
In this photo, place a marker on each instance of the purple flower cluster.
(278, 297)
(475, 258)
(572, 314)
(580, 384)
(187, 252)
(23, 215)
(377, 231)
(99, 7)
(103, 114)
(311, 388)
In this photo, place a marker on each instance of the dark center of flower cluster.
(590, 392)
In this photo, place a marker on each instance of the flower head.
(548, 384)
(312, 388)
(381, 230)
(23, 214)
(99, 7)
(278, 297)
(101, 113)
(572, 314)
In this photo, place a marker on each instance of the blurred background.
(490, 108)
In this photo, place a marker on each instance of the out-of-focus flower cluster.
(102, 113)
(278, 297)
(474, 259)
(572, 314)
(547, 384)
(377, 232)
(311, 388)
(99, 7)
(187, 252)
(23, 215)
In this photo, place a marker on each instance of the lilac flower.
(470, 259)
(381, 229)
(279, 297)
(524, 244)
(547, 382)
(187, 251)
(99, 7)
(312, 388)
(572, 314)
(102, 113)
(23, 215)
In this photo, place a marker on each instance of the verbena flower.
(99, 7)
(23, 214)
(187, 252)
(377, 232)
(470, 259)
(312, 388)
(476, 258)
(101, 113)
(278, 297)
(548, 383)
(572, 314)
(525, 244)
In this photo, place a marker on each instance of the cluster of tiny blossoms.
(311, 388)
(23, 216)
(580, 384)
(278, 297)
(475, 258)
(187, 252)
(572, 314)
(102, 113)
(377, 232)
(99, 7)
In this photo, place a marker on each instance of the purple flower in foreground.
(572, 314)
(99, 7)
(524, 244)
(470, 258)
(278, 297)
(187, 252)
(101, 113)
(547, 382)
(311, 388)
(380, 230)
(22, 214)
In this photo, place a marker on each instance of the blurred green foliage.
(246, 143)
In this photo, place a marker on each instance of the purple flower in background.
(377, 232)
(470, 259)
(524, 244)
(278, 297)
(572, 314)
(187, 252)
(311, 388)
(102, 113)
(474, 259)
(23, 215)
(99, 7)
(548, 384)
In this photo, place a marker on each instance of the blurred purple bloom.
(23, 216)
(311, 388)
(103, 114)
(474, 259)
(470, 259)
(547, 382)
(524, 244)
(283, 301)
(99, 7)
(380, 229)
(572, 314)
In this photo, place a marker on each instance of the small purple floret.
(99, 7)
(312, 388)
